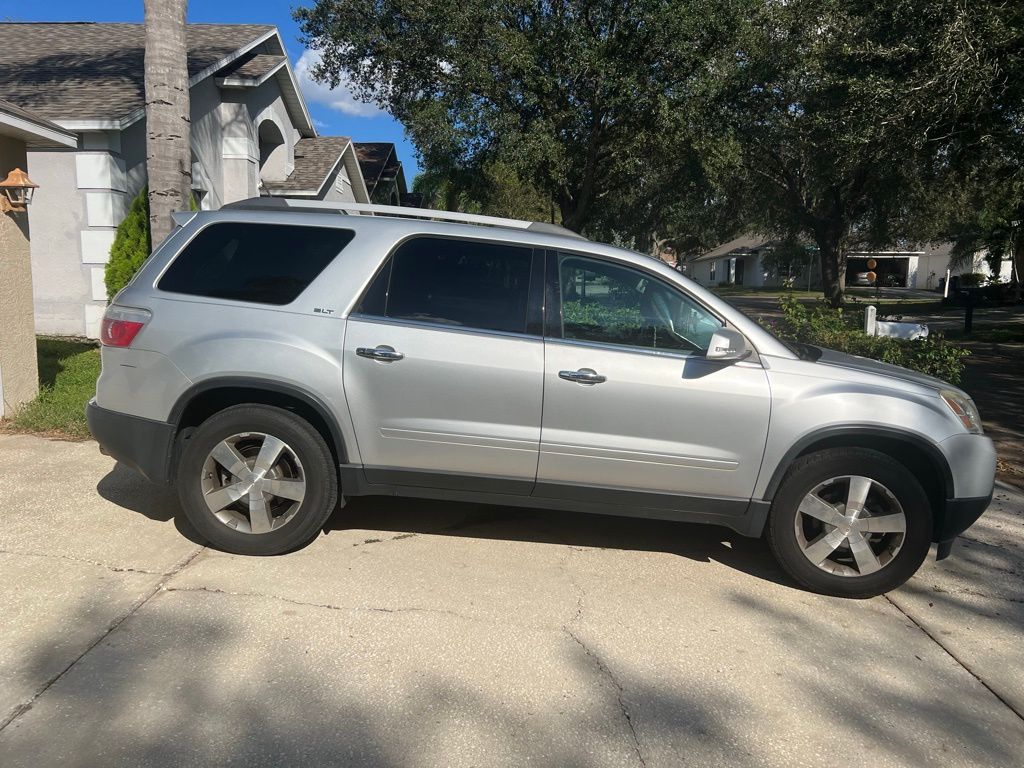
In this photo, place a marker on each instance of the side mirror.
(727, 346)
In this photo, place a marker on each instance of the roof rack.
(321, 206)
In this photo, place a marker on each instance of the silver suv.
(276, 356)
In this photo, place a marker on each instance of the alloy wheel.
(253, 482)
(850, 526)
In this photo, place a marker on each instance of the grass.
(68, 371)
(995, 334)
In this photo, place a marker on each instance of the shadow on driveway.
(387, 514)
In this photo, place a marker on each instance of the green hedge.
(837, 329)
(131, 246)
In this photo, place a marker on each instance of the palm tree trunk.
(168, 152)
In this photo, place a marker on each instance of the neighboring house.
(746, 261)
(382, 172)
(21, 133)
(741, 262)
(251, 134)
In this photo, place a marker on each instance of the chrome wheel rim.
(850, 526)
(253, 482)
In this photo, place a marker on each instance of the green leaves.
(840, 330)
(576, 99)
(131, 246)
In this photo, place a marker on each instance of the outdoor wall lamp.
(17, 191)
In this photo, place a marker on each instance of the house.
(749, 260)
(251, 134)
(21, 132)
(382, 172)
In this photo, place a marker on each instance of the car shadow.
(128, 489)
(701, 543)
(374, 514)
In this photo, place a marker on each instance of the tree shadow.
(52, 354)
(198, 677)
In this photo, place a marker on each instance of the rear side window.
(460, 283)
(261, 263)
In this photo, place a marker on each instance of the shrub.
(836, 329)
(973, 279)
(131, 246)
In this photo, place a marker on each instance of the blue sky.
(334, 112)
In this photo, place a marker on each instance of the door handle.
(583, 376)
(387, 354)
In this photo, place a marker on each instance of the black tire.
(805, 475)
(318, 467)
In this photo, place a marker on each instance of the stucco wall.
(19, 375)
(84, 194)
(339, 186)
(57, 217)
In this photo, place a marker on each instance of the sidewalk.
(418, 633)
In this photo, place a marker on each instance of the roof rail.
(321, 206)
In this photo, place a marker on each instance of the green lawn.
(995, 334)
(68, 371)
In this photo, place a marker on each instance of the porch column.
(19, 373)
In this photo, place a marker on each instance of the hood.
(866, 365)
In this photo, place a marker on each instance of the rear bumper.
(142, 444)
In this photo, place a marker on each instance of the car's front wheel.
(850, 522)
(257, 480)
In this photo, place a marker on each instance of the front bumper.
(142, 444)
(972, 463)
(960, 514)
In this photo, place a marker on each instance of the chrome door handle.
(583, 376)
(380, 353)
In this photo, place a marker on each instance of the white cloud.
(339, 98)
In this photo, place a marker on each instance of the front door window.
(613, 304)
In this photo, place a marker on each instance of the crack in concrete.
(327, 606)
(87, 561)
(382, 541)
(955, 658)
(974, 593)
(619, 692)
(177, 568)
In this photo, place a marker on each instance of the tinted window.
(374, 301)
(263, 263)
(613, 304)
(458, 283)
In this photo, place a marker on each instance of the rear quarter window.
(260, 263)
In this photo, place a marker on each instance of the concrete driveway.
(418, 633)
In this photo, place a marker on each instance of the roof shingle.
(92, 71)
(252, 68)
(314, 160)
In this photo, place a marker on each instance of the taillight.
(121, 325)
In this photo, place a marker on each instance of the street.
(427, 633)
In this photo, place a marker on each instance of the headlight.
(964, 409)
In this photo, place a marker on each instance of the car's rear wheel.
(850, 522)
(257, 480)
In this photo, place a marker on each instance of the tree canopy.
(849, 123)
(576, 99)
